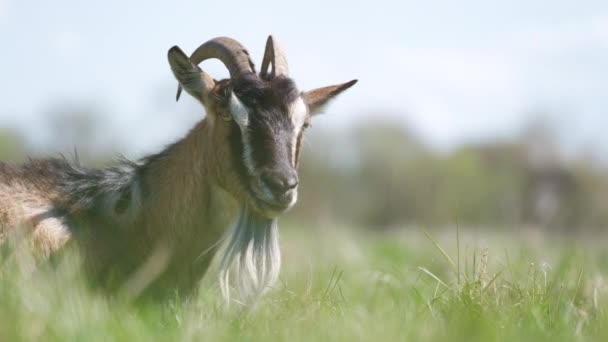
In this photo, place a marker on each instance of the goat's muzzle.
(275, 190)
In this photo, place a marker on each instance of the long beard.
(252, 255)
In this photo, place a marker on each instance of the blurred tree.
(77, 127)
(12, 145)
(383, 175)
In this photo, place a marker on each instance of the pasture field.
(342, 284)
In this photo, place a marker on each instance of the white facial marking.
(240, 114)
(297, 114)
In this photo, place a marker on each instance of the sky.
(453, 71)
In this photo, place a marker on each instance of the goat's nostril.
(291, 182)
(280, 183)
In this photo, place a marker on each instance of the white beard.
(252, 254)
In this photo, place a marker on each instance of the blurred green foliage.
(382, 175)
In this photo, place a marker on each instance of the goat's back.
(28, 195)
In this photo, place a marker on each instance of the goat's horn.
(230, 52)
(234, 55)
(274, 54)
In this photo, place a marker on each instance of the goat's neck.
(183, 195)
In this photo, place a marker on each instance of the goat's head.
(260, 119)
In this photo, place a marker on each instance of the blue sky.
(452, 70)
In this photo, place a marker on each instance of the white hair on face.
(297, 114)
(252, 253)
(240, 114)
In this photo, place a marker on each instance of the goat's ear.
(318, 98)
(190, 77)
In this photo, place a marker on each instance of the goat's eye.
(306, 125)
(226, 117)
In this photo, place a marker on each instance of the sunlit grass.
(344, 285)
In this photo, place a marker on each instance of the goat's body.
(161, 219)
(27, 197)
(164, 209)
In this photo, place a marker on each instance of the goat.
(160, 220)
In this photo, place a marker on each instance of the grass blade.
(445, 255)
(433, 276)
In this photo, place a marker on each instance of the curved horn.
(274, 54)
(234, 55)
(229, 51)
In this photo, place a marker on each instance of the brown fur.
(23, 205)
(191, 201)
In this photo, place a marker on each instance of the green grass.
(345, 285)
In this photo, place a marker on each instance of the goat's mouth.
(271, 207)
